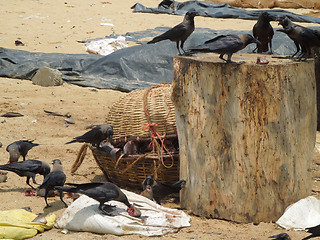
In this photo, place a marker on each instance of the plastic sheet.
(220, 10)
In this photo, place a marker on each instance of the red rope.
(153, 131)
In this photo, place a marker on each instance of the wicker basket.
(132, 170)
(142, 115)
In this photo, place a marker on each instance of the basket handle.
(153, 131)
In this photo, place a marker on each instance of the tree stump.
(246, 135)
(316, 55)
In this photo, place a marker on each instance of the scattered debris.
(18, 43)
(281, 236)
(69, 120)
(12, 114)
(67, 115)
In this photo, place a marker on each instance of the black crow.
(302, 37)
(224, 44)
(156, 190)
(263, 32)
(29, 169)
(96, 135)
(19, 148)
(102, 192)
(180, 32)
(55, 178)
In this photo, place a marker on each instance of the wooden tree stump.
(316, 55)
(246, 134)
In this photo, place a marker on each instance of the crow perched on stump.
(302, 37)
(263, 32)
(224, 44)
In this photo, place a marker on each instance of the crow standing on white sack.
(102, 192)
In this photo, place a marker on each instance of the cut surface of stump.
(246, 134)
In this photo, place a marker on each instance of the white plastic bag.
(301, 215)
(106, 46)
(155, 220)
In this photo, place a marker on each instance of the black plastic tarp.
(220, 10)
(127, 69)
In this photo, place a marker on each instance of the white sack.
(301, 215)
(84, 215)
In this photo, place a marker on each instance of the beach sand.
(57, 26)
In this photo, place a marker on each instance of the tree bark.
(246, 135)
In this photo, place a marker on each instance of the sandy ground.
(56, 26)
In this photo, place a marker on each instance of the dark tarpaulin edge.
(220, 10)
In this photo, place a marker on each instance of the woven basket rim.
(141, 108)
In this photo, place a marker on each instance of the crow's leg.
(221, 57)
(304, 53)
(181, 46)
(230, 61)
(28, 182)
(61, 198)
(254, 50)
(45, 198)
(270, 51)
(34, 180)
(178, 48)
(298, 49)
(229, 58)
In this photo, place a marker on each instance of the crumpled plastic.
(301, 215)
(17, 224)
(106, 46)
(84, 215)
